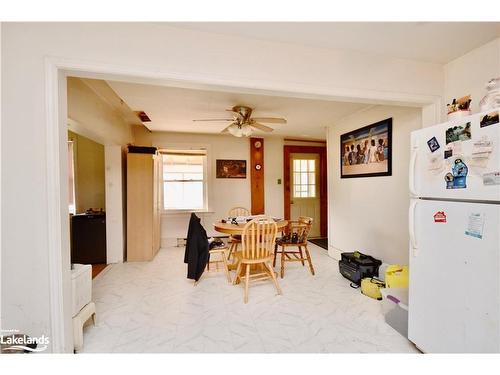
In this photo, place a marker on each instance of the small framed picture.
(231, 168)
(433, 144)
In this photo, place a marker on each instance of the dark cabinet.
(88, 238)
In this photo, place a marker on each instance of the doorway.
(56, 71)
(305, 185)
(87, 202)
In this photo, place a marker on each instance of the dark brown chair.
(293, 241)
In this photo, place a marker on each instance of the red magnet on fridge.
(440, 217)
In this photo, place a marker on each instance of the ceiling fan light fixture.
(243, 124)
(246, 130)
(235, 130)
(240, 130)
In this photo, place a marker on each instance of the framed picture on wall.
(231, 168)
(367, 151)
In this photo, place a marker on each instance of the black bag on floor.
(356, 266)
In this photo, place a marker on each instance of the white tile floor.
(152, 307)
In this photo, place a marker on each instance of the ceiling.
(174, 109)
(436, 42)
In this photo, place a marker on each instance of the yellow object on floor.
(396, 276)
(371, 287)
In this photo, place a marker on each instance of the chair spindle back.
(305, 227)
(238, 211)
(258, 238)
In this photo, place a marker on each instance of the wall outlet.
(279, 181)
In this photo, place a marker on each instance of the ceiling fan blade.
(237, 114)
(226, 129)
(215, 119)
(264, 128)
(270, 120)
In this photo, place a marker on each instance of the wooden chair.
(221, 251)
(301, 229)
(238, 211)
(236, 239)
(258, 238)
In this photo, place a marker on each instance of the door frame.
(323, 182)
(55, 71)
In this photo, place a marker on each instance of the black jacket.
(196, 255)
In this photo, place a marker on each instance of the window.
(184, 180)
(304, 178)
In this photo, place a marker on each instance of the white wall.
(469, 73)
(93, 118)
(89, 173)
(164, 50)
(371, 214)
(223, 194)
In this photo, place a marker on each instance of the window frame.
(307, 172)
(195, 151)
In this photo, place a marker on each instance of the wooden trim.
(323, 185)
(184, 153)
(305, 140)
(257, 176)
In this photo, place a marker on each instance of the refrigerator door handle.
(411, 180)
(411, 224)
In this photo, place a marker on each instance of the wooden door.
(139, 207)
(304, 189)
(305, 185)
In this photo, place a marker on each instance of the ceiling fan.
(242, 123)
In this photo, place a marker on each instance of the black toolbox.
(356, 266)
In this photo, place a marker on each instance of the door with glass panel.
(305, 197)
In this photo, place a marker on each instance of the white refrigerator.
(454, 225)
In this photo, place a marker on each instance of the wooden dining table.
(234, 229)
(237, 229)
